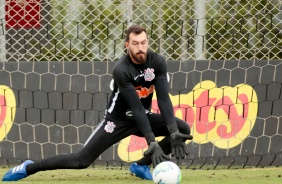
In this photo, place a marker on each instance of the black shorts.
(111, 131)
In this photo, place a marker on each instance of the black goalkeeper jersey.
(134, 85)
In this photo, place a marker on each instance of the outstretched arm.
(178, 146)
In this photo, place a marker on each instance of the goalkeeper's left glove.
(178, 146)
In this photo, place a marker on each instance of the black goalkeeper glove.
(156, 152)
(178, 146)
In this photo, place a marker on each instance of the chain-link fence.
(224, 63)
(48, 30)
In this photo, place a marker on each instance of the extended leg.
(104, 136)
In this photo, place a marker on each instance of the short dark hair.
(134, 29)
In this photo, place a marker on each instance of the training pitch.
(271, 175)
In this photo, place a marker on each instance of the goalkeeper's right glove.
(156, 152)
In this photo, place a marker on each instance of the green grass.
(271, 175)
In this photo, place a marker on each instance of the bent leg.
(160, 129)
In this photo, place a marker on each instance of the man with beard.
(136, 76)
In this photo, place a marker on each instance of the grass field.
(271, 175)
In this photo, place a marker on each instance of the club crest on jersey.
(110, 126)
(149, 74)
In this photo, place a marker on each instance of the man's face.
(137, 47)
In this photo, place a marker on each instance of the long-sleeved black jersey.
(134, 85)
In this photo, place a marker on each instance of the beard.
(140, 57)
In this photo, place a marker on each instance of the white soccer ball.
(167, 172)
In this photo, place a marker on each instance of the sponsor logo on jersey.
(149, 74)
(140, 75)
(109, 127)
(128, 113)
(144, 92)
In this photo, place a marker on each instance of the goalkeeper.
(136, 76)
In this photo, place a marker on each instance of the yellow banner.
(7, 110)
(223, 116)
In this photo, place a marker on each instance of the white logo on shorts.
(110, 126)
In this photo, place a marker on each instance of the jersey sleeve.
(162, 91)
(122, 80)
(161, 68)
(129, 94)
